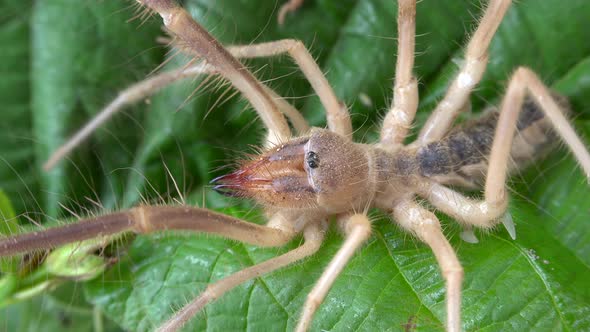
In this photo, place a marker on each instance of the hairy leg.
(525, 80)
(484, 213)
(338, 118)
(401, 114)
(314, 236)
(147, 219)
(132, 94)
(179, 22)
(337, 115)
(297, 120)
(469, 75)
(290, 6)
(480, 213)
(426, 227)
(357, 229)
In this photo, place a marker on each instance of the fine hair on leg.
(136, 92)
(357, 230)
(470, 73)
(337, 116)
(426, 227)
(179, 22)
(314, 236)
(147, 219)
(485, 213)
(400, 116)
(287, 8)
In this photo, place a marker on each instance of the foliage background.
(62, 60)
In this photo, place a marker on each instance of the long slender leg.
(314, 236)
(426, 227)
(483, 213)
(524, 80)
(470, 74)
(337, 115)
(357, 229)
(401, 114)
(178, 21)
(219, 60)
(146, 219)
(297, 120)
(132, 94)
(145, 88)
(480, 213)
(290, 6)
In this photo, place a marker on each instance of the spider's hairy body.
(363, 176)
(461, 157)
(313, 176)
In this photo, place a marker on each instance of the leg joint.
(523, 74)
(141, 222)
(358, 223)
(454, 269)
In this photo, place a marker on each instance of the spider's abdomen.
(461, 157)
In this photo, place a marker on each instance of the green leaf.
(8, 222)
(8, 265)
(17, 178)
(82, 53)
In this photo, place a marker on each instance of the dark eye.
(313, 161)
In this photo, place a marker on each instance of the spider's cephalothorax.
(323, 171)
(303, 182)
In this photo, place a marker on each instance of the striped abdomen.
(461, 158)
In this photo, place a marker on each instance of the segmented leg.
(337, 115)
(198, 42)
(290, 6)
(147, 219)
(469, 75)
(426, 227)
(338, 118)
(485, 213)
(524, 80)
(357, 229)
(401, 114)
(132, 94)
(179, 22)
(480, 213)
(314, 236)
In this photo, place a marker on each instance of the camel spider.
(335, 124)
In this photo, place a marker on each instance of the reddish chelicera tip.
(241, 182)
(271, 172)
